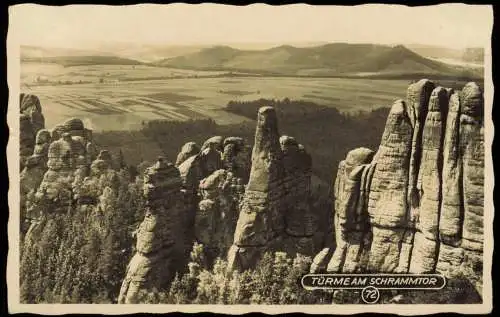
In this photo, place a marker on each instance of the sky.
(85, 26)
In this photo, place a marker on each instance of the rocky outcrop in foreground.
(197, 200)
(274, 213)
(416, 205)
(158, 236)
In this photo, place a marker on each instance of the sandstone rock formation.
(217, 213)
(154, 264)
(195, 164)
(55, 191)
(417, 205)
(387, 204)
(90, 183)
(274, 213)
(297, 165)
(26, 139)
(461, 227)
(350, 227)
(213, 179)
(74, 127)
(215, 142)
(236, 157)
(36, 164)
(31, 121)
(423, 256)
(60, 162)
(189, 149)
(195, 201)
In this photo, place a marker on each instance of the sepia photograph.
(235, 159)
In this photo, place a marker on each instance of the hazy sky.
(83, 26)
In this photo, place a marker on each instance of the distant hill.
(335, 59)
(31, 52)
(73, 57)
(148, 52)
(472, 54)
(145, 53)
(82, 60)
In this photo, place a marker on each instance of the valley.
(122, 97)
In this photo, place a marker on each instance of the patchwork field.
(124, 104)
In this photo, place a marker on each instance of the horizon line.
(94, 45)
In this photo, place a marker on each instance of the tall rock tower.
(274, 213)
(160, 236)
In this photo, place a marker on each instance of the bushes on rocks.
(275, 280)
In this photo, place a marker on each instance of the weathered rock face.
(215, 142)
(55, 191)
(195, 164)
(417, 205)
(189, 149)
(89, 183)
(461, 228)
(154, 264)
(220, 191)
(74, 127)
(274, 213)
(210, 158)
(236, 157)
(31, 121)
(192, 172)
(417, 98)
(387, 205)
(36, 164)
(261, 218)
(30, 105)
(42, 143)
(450, 222)
(471, 147)
(57, 167)
(217, 212)
(200, 171)
(26, 139)
(423, 256)
(351, 221)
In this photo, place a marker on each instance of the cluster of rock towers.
(59, 167)
(417, 204)
(203, 198)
